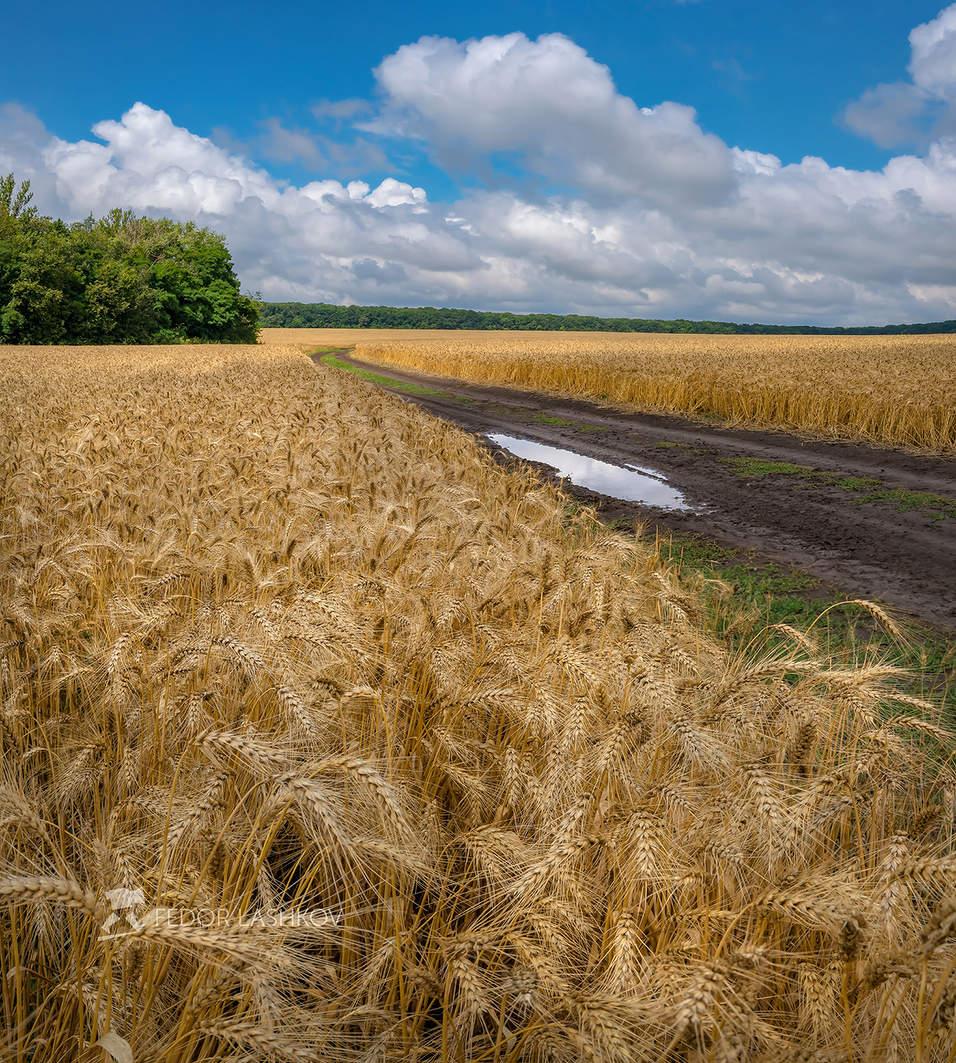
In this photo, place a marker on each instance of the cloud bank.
(578, 199)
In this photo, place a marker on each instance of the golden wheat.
(886, 389)
(325, 738)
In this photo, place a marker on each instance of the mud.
(867, 549)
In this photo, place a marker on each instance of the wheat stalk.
(378, 753)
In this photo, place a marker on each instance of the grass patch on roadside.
(755, 469)
(687, 448)
(866, 488)
(767, 594)
(332, 359)
(543, 418)
(937, 505)
(501, 408)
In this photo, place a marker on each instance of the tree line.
(328, 315)
(118, 279)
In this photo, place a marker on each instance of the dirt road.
(873, 522)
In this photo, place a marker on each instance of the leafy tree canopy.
(117, 279)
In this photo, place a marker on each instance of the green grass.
(755, 469)
(543, 418)
(591, 428)
(866, 488)
(937, 505)
(765, 593)
(498, 407)
(335, 362)
(688, 448)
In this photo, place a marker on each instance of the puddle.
(631, 483)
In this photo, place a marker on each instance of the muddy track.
(864, 548)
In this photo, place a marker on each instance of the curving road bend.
(865, 546)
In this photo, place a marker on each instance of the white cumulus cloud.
(603, 204)
(933, 63)
(555, 110)
(916, 111)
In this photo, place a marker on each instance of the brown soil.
(866, 549)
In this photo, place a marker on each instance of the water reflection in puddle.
(630, 483)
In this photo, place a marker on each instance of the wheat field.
(899, 390)
(325, 738)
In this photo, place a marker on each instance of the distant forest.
(118, 279)
(327, 315)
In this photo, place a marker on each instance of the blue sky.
(773, 77)
(303, 94)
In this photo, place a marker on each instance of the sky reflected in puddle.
(630, 483)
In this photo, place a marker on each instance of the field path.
(867, 546)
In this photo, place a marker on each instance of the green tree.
(118, 279)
